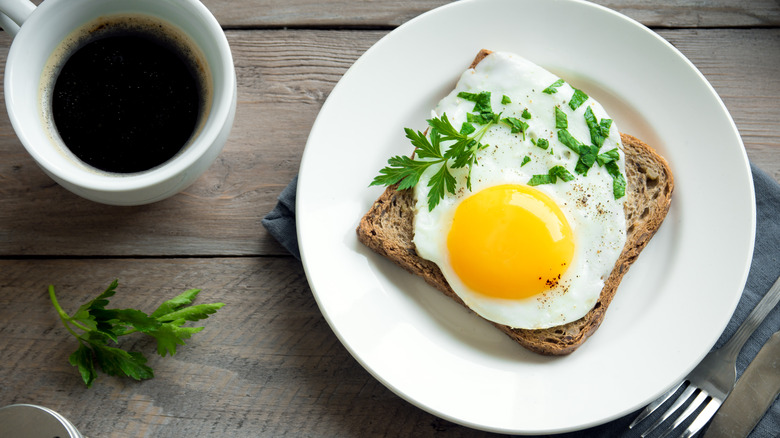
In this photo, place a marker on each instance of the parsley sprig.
(406, 171)
(95, 327)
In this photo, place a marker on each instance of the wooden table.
(268, 364)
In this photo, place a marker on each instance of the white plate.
(670, 308)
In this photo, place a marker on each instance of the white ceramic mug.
(39, 31)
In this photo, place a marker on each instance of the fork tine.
(672, 409)
(700, 398)
(703, 418)
(649, 409)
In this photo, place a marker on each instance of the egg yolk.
(510, 241)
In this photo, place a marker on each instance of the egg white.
(596, 217)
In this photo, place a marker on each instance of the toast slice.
(387, 228)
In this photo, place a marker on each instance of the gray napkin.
(280, 222)
(764, 270)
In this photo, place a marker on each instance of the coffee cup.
(99, 146)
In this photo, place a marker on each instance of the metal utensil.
(32, 421)
(752, 396)
(713, 379)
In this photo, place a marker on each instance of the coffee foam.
(138, 24)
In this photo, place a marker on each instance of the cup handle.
(13, 14)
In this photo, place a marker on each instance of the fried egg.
(522, 255)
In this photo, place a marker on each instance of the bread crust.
(388, 229)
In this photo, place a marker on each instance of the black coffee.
(126, 102)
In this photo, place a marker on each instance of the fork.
(712, 380)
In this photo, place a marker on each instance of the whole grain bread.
(387, 228)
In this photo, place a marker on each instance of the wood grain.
(284, 77)
(742, 65)
(267, 364)
(392, 13)
(377, 13)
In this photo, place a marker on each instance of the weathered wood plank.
(693, 13)
(742, 65)
(338, 13)
(284, 78)
(267, 364)
(389, 14)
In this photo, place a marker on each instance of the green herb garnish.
(463, 145)
(483, 110)
(589, 154)
(95, 327)
(482, 101)
(467, 128)
(608, 156)
(599, 131)
(609, 161)
(482, 118)
(516, 125)
(568, 140)
(551, 177)
(526, 160)
(406, 171)
(618, 180)
(561, 121)
(587, 158)
(553, 88)
(577, 99)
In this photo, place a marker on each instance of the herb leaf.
(561, 121)
(589, 154)
(605, 124)
(551, 177)
(183, 299)
(553, 88)
(118, 362)
(561, 172)
(403, 170)
(568, 140)
(93, 325)
(171, 334)
(540, 179)
(587, 159)
(516, 125)
(466, 128)
(481, 100)
(406, 171)
(191, 313)
(599, 131)
(443, 125)
(441, 182)
(482, 118)
(577, 99)
(608, 156)
(82, 359)
(618, 180)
